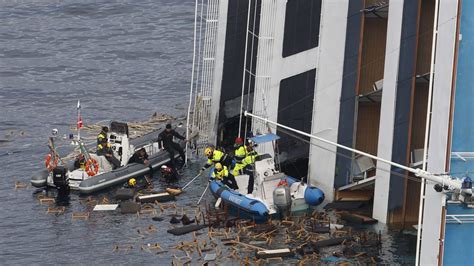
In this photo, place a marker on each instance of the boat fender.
(313, 196)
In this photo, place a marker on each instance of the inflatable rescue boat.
(86, 182)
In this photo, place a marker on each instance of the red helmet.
(239, 140)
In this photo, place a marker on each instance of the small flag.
(78, 104)
(79, 122)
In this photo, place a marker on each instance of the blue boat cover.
(265, 138)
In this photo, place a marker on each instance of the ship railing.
(459, 218)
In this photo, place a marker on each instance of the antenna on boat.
(444, 182)
(79, 120)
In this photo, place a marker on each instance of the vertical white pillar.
(387, 113)
(267, 74)
(218, 70)
(327, 93)
(439, 129)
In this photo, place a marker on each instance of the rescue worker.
(80, 162)
(222, 174)
(102, 138)
(169, 173)
(132, 183)
(240, 152)
(165, 140)
(140, 157)
(248, 167)
(216, 156)
(104, 148)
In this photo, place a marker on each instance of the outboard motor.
(60, 179)
(282, 199)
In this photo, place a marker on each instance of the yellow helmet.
(132, 182)
(208, 151)
(218, 166)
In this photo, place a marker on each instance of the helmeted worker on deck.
(222, 174)
(240, 152)
(248, 167)
(216, 156)
(104, 148)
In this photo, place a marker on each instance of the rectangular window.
(302, 22)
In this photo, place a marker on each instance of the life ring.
(51, 164)
(92, 167)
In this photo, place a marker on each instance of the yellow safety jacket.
(101, 139)
(220, 175)
(102, 146)
(240, 153)
(248, 160)
(217, 157)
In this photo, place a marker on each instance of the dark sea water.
(125, 60)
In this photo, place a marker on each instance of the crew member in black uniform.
(139, 156)
(165, 140)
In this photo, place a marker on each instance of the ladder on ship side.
(205, 39)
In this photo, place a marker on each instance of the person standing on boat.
(248, 167)
(165, 140)
(104, 148)
(222, 174)
(216, 156)
(240, 152)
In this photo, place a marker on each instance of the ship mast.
(447, 182)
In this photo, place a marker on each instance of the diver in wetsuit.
(165, 140)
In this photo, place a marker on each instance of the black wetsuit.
(137, 158)
(166, 141)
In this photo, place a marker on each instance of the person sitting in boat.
(105, 149)
(216, 156)
(165, 140)
(140, 157)
(80, 162)
(169, 173)
(222, 174)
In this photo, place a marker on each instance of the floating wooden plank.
(19, 185)
(105, 207)
(160, 197)
(80, 215)
(186, 229)
(357, 218)
(274, 253)
(57, 210)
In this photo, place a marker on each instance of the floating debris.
(56, 210)
(80, 216)
(19, 185)
(105, 207)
